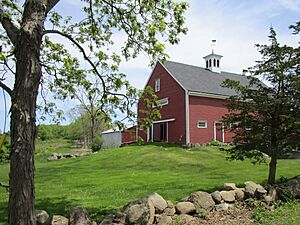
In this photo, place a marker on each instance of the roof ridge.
(199, 67)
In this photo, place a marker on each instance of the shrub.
(5, 152)
(96, 145)
(215, 143)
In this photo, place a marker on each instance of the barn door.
(219, 132)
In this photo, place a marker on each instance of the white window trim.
(164, 100)
(202, 122)
(157, 85)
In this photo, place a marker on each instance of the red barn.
(193, 102)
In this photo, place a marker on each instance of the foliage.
(96, 144)
(267, 118)
(47, 132)
(5, 151)
(108, 180)
(215, 143)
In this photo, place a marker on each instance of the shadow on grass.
(62, 206)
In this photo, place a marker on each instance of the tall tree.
(30, 55)
(266, 119)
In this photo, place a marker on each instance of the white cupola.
(213, 61)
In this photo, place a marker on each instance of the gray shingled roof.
(199, 79)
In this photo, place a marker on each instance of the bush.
(96, 145)
(215, 143)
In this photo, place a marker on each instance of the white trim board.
(207, 95)
(164, 121)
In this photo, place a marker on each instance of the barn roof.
(198, 79)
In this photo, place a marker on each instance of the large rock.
(170, 211)
(108, 220)
(139, 212)
(59, 220)
(252, 189)
(223, 206)
(79, 216)
(186, 219)
(185, 208)
(202, 200)
(42, 217)
(164, 220)
(216, 197)
(229, 186)
(158, 202)
(228, 196)
(289, 189)
(239, 194)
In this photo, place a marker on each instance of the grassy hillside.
(104, 181)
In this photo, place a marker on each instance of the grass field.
(105, 181)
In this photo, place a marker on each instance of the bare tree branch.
(6, 88)
(11, 29)
(51, 4)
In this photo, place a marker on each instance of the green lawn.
(104, 181)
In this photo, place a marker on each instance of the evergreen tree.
(266, 119)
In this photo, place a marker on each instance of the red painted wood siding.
(129, 135)
(169, 88)
(209, 109)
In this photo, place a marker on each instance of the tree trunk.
(272, 170)
(23, 114)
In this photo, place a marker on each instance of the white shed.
(112, 138)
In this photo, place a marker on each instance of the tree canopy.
(266, 118)
(36, 61)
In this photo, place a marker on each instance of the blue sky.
(237, 25)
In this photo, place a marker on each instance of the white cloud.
(293, 5)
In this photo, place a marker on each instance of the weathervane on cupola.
(213, 60)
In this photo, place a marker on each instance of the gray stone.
(185, 208)
(228, 196)
(185, 199)
(216, 197)
(290, 189)
(140, 212)
(79, 216)
(268, 199)
(158, 202)
(229, 186)
(185, 219)
(42, 217)
(52, 157)
(170, 204)
(202, 200)
(108, 220)
(252, 189)
(164, 220)
(239, 194)
(169, 211)
(59, 220)
(223, 206)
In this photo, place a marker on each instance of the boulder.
(185, 219)
(52, 157)
(59, 220)
(164, 220)
(216, 197)
(289, 189)
(108, 220)
(79, 216)
(202, 200)
(139, 212)
(185, 208)
(158, 202)
(170, 211)
(222, 207)
(239, 194)
(268, 199)
(229, 186)
(228, 196)
(42, 217)
(170, 204)
(252, 189)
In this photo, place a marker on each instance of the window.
(218, 63)
(214, 62)
(162, 102)
(206, 63)
(157, 85)
(202, 124)
(210, 63)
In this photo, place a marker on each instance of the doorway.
(219, 132)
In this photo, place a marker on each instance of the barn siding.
(209, 109)
(169, 88)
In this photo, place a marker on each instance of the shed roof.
(198, 79)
